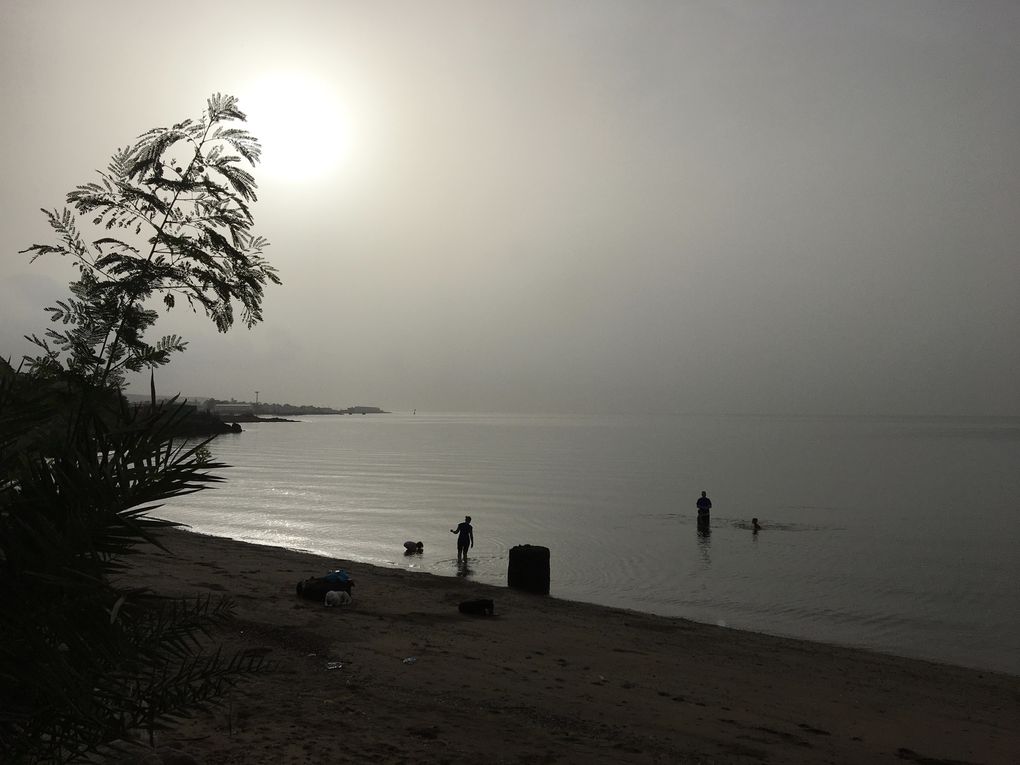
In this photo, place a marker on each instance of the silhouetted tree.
(170, 217)
(85, 659)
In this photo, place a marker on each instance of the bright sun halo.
(304, 131)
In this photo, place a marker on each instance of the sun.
(304, 130)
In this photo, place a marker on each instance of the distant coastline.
(259, 415)
(210, 416)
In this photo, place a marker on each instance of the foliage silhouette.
(86, 659)
(171, 218)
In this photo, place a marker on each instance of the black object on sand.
(529, 568)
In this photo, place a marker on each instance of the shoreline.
(934, 657)
(549, 680)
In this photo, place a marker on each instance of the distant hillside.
(194, 424)
(228, 408)
(261, 409)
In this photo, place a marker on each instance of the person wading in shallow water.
(465, 537)
(704, 505)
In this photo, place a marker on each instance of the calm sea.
(896, 534)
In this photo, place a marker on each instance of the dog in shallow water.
(480, 607)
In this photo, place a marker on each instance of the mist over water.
(896, 534)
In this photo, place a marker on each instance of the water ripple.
(861, 541)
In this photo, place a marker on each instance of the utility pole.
(256, 399)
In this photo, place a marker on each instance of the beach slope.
(401, 676)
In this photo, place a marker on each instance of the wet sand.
(549, 681)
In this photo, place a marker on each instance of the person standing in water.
(704, 505)
(465, 537)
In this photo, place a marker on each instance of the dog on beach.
(316, 587)
(479, 607)
(337, 598)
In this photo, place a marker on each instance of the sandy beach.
(399, 675)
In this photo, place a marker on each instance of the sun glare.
(304, 130)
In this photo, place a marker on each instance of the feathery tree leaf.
(178, 199)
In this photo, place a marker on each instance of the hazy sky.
(553, 206)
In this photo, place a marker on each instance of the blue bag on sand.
(340, 576)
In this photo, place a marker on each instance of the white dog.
(337, 598)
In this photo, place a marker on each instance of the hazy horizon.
(759, 206)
